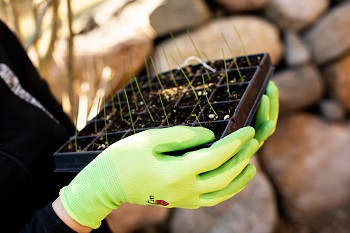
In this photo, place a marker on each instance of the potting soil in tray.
(223, 99)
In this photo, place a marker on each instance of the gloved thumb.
(176, 138)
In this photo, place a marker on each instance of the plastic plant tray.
(225, 101)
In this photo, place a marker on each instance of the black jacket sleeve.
(46, 221)
(32, 127)
(14, 55)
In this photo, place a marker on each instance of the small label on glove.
(152, 201)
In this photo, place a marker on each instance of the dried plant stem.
(127, 102)
(234, 59)
(15, 17)
(243, 47)
(165, 114)
(38, 22)
(143, 99)
(226, 73)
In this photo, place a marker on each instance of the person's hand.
(267, 114)
(137, 170)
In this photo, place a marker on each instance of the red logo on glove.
(152, 201)
(162, 202)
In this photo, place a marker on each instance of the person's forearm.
(63, 215)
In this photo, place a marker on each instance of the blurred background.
(86, 49)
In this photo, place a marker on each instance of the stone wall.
(303, 176)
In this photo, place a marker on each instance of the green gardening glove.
(267, 114)
(137, 170)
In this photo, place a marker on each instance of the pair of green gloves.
(135, 169)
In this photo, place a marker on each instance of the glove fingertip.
(251, 170)
(271, 85)
(272, 90)
(264, 131)
(205, 131)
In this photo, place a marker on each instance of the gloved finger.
(272, 93)
(263, 111)
(177, 138)
(222, 150)
(264, 131)
(222, 176)
(239, 183)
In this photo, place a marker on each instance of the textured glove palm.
(137, 170)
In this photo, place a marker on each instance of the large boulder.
(299, 87)
(179, 15)
(337, 75)
(329, 37)
(297, 52)
(307, 158)
(257, 35)
(296, 15)
(241, 5)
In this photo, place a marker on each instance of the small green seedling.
(234, 59)
(243, 47)
(111, 94)
(188, 80)
(171, 72)
(199, 56)
(226, 73)
(127, 102)
(76, 132)
(206, 96)
(165, 114)
(120, 108)
(155, 71)
(97, 110)
(193, 109)
(105, 119)
(143, 99)
(177, 48)
(147, 73)
(133, 93)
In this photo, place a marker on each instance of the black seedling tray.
(224, 102)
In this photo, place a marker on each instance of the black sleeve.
(46, 221)
(14, 55)
(33, 126)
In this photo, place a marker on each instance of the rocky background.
(303, 180)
